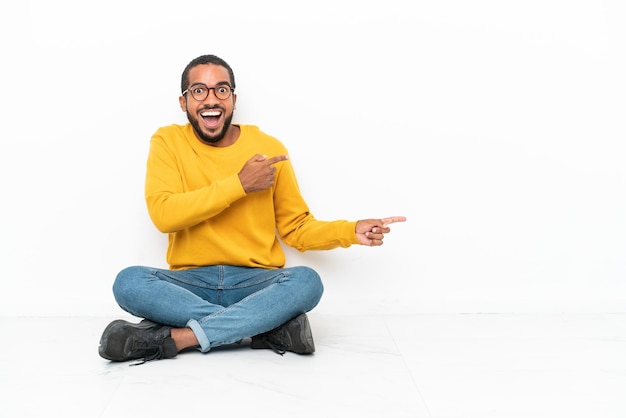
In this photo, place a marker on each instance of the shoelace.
(277, 348)
(156, 345)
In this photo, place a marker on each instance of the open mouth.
(211, 117)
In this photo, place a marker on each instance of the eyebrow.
(220, 83)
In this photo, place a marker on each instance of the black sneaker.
(123, 341)
(294, 335)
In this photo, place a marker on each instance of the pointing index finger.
(277, 158)
(393, 219)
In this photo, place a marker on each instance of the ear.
(234, 100)
(183, 103)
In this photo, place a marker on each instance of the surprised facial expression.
(211, 117)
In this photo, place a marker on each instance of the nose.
(208, 96)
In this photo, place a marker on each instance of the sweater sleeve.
(297, 227)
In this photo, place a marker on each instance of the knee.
(126, 282)
(311, 281)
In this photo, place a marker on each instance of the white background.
(496, 127)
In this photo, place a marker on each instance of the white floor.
(435, 366)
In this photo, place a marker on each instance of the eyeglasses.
(201, 92)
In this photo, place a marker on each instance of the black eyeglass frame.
(208, 91)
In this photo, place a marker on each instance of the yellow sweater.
(194, 195)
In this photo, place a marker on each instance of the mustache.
(218, 107)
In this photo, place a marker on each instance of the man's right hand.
(258, 172)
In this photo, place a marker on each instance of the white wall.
(496, 127)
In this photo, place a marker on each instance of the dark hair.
(205, 59)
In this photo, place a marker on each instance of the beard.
(207, 138)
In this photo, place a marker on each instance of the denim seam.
(220, 286)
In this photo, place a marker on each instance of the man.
(225, 194)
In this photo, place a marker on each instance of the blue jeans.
(221, 304)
